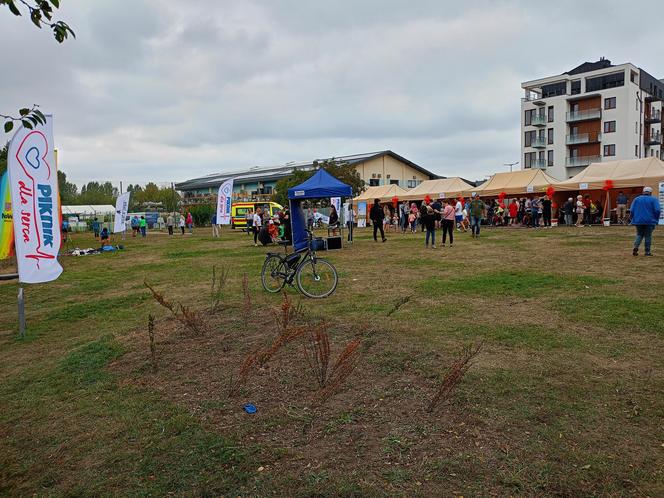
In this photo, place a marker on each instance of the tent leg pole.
(21, 313)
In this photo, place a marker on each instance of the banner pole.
(21, 313)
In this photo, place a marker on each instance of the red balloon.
(608, 185)
(395, 201)
(427, 199)
(550, 190)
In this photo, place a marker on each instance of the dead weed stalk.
(453, 376)
(236, 383)
(191, 319)
(217, 288)
(153, 346)
(318, 353)
(246, 299)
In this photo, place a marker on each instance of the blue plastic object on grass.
(249, 408)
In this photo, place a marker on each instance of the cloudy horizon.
(165, 91)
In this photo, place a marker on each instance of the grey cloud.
(166, 90)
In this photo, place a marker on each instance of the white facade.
(596, 116)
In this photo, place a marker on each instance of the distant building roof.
(271, 173)
(587, 67)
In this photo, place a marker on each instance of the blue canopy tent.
(320, 185)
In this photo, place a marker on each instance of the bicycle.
(313, 276)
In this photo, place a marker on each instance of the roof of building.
(271, 173)
(587, 67)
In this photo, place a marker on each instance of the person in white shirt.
(258, 223)
(458, 215)
(181, 224)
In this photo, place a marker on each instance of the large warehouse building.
(257, 183)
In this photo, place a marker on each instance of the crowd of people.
(268, 229)
(470, 214)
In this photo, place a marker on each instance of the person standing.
(534, 212)
(181, 224)
(286, 221)
(257, 224)
(404, 211)
(579, 210)
(249, 217)
(621, 207)
(429, 223)
(95, 228)
(377, 216)
(568, 211)
(477, 213)
(215, 227)
(143, 225)
(458, 215)
(170, 222)
(350, 221)
(190, 222)
(513, 209)
(448, 218)
(586, 210)
(645, 211)
(546, 211)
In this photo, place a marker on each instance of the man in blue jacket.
(645, 211)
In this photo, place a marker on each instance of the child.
(104, 236)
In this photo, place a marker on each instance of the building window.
(554, 89)
(636, 151)
(610, 103)
(636, 127)
(549, 158)
(529, 137)
(609, 126)
(576, 87)
(603, 82)
(529, 116)
(528, 159)
(394, 182)
(609, 150)
(549, 136)
(550, 118)
(637, 101)
(412, 183)
(374, 182)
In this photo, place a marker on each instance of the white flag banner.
(224, 201)
(121, 208)
(34, 192)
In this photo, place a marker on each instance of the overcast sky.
(166, 90)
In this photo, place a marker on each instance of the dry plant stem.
(454, 375)
(153, 346)
(343, 367)
(243, 375)
(183, 314)
(400, 302)
(317, 352)
(217, 288)
(247, 299)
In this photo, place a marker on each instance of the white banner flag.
(34, 192)
(224, 201)
(336, 202)
(121, 208)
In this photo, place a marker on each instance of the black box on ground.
(334, 243)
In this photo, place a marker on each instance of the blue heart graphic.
(32, 157)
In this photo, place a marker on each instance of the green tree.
(41, 14)
(342, 171)
(68, 191)
(3, 159)
(98, 193)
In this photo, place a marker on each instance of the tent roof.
(444, 187)
(88, 209)
(382, 192)
(524, 181)
(321, 184)
(626, 173)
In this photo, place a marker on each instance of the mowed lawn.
(564, 399)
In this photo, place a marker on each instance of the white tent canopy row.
(88, 209)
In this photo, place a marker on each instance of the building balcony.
(587, 115)
(583, 138)
(655, 116)
(572, 162)
(534, 98)
(538, 143)
(653, 139)
(538, 164)
(538, 120)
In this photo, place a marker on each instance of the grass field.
(564, 399)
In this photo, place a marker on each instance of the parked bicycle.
(313, 276)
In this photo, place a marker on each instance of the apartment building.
(595, 112)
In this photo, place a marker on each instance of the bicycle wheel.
(316, 279)
(273, 275)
